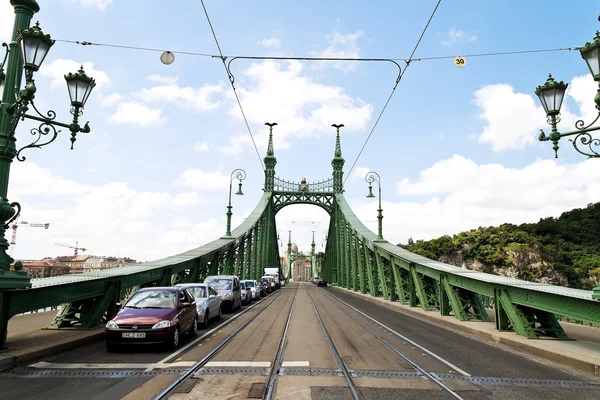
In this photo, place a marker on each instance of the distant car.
(255, 290)
(271, 281)
(228, 287)
(245, 292)
(157, 315)
(266, 285)
(208, 301)
(315, 280)
(322, 282)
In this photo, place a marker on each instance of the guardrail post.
(450, 300)
(418, 287)
(382, 278)
(398, 281)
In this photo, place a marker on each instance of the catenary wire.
(232, 85)
(393, 91)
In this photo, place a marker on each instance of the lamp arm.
(584, 130)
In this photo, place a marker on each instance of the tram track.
(352, 386)
(169, 390)
(431, 376)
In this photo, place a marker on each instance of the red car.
(157, 315)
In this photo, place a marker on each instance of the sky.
(456, 148)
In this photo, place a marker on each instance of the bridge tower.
(270, 161)
(338, 163)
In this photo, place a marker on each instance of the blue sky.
(456, 149)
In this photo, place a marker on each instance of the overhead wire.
(232, 85)
(408, 61)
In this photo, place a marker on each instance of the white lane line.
(163, 362)
(448, 363)
(295, 364)
(44, 364)
(241, 364)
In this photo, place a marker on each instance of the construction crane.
(76, 247)
(14, 227)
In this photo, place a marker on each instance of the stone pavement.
(29, 339)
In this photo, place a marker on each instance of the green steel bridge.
(355, 258)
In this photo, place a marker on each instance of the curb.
(559, 358)
(11, 361)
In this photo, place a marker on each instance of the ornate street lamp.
(240, 175)
(370, 178)
(26, 53)
(551, 96)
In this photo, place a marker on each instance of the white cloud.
(137, 114)
(57, 70)
(187, 97)
(111, 99)
(360, 172)
(29, 179)
(202, 180)
(458, 35)
(341, 46)
(460, 195)
(187, 199)
(237, 143)
(513, 120)
(202, 146)
(302, 107)
(269, 42)
(7, 18)
(165, 80)
(101, 4)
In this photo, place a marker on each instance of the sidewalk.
(582, 352)
(29, 339)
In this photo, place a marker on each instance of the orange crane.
(74, 261)
(76, 247)
(14, 227)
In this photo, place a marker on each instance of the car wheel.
(111, 347)
(175, 339)
(194, 328)
(205, 322)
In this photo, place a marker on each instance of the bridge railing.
(88, 299)
(357, 261)
(282, 185)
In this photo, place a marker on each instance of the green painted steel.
(528, 308)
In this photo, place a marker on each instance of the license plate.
(134, 335)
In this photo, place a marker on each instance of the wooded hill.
(563, 251)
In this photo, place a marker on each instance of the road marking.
(187, 346)
(44, 364)
(448, 363)
(295, 364)
(242, 364)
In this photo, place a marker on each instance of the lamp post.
(551, 95)
(240, 175)
(24, 56)
(370, 178)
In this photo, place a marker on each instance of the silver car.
(228, 286)
(253, 288)
(208, 301)
(246, 292)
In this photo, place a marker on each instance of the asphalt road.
(474, 368)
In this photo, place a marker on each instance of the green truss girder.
(396, 274)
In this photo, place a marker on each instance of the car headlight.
(162, 324)
(112, 325)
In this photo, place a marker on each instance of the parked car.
(322, 282)
(208, 301)
(266, 285)
(315, 280)
(157, 315)
(269, 278)
(246, 293)
(255, 290)
(263, 287)
(228, 286)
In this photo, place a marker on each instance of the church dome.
(294, 247)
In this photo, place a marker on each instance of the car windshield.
(250, 284)
(220, 284)
(243, 285)
(152, 299)
(197, 291)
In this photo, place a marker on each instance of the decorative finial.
(270, 150)
(338, 146)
